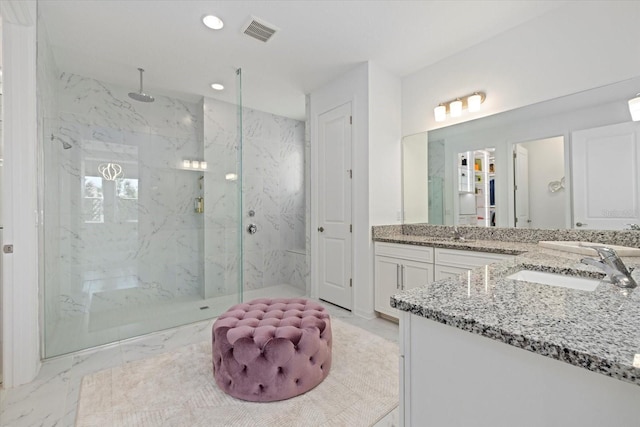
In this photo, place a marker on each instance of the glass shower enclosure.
(141, 207)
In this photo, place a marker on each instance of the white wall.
(415, 178)
(21, 359)
(576, 47)
(376, 193)
(385, 179)
(546, 164)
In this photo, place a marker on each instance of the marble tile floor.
(51, 399)
(96, 328)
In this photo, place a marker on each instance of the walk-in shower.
(145, 206)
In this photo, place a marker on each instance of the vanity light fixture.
(634, 108)
(455, 107)
(213, 22)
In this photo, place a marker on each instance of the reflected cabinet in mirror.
(570, 162)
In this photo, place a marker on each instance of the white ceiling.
(317, 41)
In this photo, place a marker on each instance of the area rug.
(177, 389)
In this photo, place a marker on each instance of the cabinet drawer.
(411, 252)
(467, 259)
(446, 271)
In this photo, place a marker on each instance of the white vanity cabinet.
(399, 267)
(451, 262)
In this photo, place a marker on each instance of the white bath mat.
(178, 389)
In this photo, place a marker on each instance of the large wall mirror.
(570, 162)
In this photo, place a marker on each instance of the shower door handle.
(252, 229)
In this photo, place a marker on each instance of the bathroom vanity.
(481, 349)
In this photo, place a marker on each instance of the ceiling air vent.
(259, 30)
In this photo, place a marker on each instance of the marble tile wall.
(273, 171)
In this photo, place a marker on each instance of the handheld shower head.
(141, 96)
(65, 144)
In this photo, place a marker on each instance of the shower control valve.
(252, 229)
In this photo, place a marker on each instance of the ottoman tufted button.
(266, 349)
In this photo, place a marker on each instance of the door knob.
(321, 229)
(580, 224)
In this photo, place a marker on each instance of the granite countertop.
(598, 331)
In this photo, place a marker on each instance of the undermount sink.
(553, 279)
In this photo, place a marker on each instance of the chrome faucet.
(456, 234)
(611, 263)
(635, 227)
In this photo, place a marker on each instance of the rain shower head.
(65, 144)
(141, 96)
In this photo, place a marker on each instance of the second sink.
(553, 279)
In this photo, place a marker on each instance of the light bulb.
(634, 108)
(455, 108)
(213, 22)
(473, 102)
(186, 163)
(440, 113)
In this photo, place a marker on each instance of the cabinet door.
(387, 283)
(416, 274)
(445, 271)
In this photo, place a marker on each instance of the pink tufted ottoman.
(271, 349)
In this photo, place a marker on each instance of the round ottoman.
(271, 349)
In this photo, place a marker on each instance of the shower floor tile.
(103, 325)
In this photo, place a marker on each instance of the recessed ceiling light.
(217, 86)
(213, 22)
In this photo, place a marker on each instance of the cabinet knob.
(321, 229)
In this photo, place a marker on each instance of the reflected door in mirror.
(606, 185)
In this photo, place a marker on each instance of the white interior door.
(521, 186)
(334, 206)
(604, 165)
